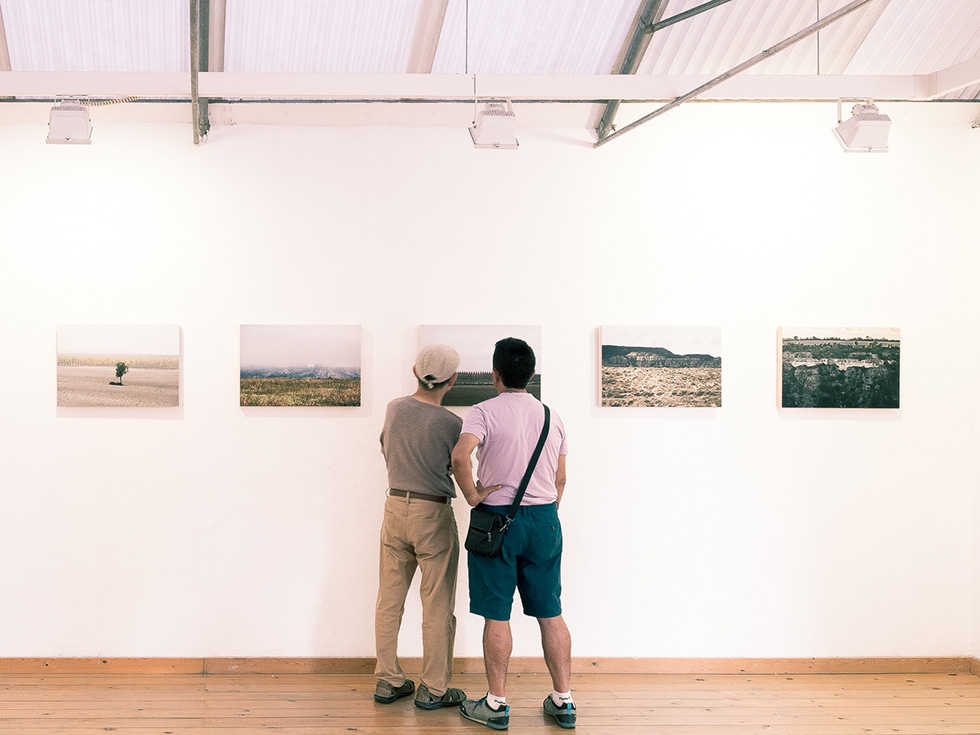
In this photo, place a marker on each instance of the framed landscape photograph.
(300, 365)
(660, 367)
(840, 367)
(475, 347)
(118, 366)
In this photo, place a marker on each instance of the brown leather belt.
(420, 496)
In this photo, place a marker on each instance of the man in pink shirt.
(504, 431)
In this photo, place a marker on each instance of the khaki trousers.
(417, 534)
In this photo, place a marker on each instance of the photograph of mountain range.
(300, 365)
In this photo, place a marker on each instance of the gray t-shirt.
(417, 443)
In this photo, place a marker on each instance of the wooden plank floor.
(609, 704)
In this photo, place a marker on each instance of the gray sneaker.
(480, 712)
(427, 700)
(386, 693)
(564, 715)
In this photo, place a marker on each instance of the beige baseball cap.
(436, 364)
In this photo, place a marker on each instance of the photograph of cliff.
(848, 367)
(660, 367)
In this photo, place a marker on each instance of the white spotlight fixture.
(866, 131)
(495, 127)
(69, 123)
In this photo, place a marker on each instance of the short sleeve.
(475, 423)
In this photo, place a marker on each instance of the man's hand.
(463, 471)
(482, 493)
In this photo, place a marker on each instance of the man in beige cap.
(419, 531)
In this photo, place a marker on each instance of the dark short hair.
(513, 359)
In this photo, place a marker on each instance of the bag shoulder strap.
(530, 467)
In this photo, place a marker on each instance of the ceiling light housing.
(69, 123)
(866, 131)
(495, 127)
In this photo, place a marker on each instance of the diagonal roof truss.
(747, 64)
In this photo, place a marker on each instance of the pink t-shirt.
(508, 428)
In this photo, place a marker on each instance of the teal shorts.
(529, 562)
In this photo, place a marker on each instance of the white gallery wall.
(744, 531)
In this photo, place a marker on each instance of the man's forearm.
(560, 478)
(463, 472)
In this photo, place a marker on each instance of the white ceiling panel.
(97, 35)
(920, 37)
(337, 37)
(725, 36)
(540, 37)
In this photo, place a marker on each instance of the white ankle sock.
(560, 698)
(496, 702)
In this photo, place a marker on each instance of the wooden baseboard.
(363, 665)
(101, 666)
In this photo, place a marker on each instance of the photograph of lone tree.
(475, 347)
(660, 367)
(300, 365)
(839, 367)
(94, 359)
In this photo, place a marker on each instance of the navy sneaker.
(481, 712)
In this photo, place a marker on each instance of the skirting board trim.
(519, 665)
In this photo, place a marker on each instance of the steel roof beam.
(635, 52)
(686, 14)
(651, 12)
(199, 50)
(302, 86)
(734, 71)
(950, 79)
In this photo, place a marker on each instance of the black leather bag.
(485, 536)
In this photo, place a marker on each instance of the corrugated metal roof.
(97, 35)
(338, 37)
(581, 37)
(909, 37)
(543, 37)
(920, 38)
(917, 50)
